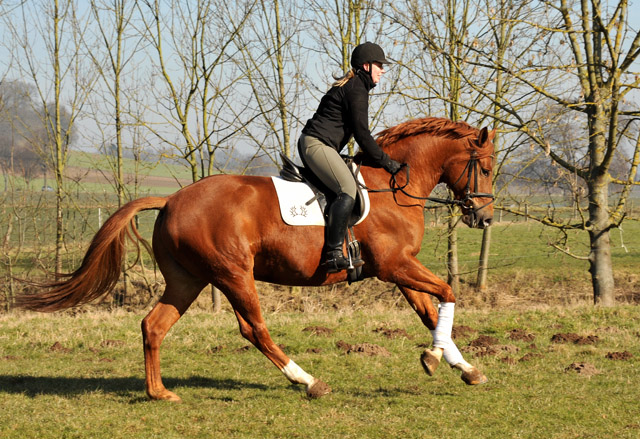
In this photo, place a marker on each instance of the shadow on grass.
(133, 387)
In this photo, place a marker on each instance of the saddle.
(322, 194)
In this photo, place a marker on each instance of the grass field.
(81, 376)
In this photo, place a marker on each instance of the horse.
(226, 230)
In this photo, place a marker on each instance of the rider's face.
(376, 69)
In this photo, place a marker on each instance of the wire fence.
(28, 233)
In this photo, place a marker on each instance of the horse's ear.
(483, 136)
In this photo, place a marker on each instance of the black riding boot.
(335, 231)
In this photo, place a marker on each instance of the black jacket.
(344, 112)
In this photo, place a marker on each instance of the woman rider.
(344, 112)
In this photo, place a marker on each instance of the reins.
(471, 169)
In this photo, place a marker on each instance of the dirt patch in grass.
(574, 338)
(530, 356)
(392, 333)
(485, 351)
(484, 341)
(625, 355)
(318, 330)
(486, 345)
(520, 334)
(462, 331)
(57, 347)
(215, 349)
(368, 349)
(112, 343)
(585, 369)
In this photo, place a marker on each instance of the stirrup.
(336, 262)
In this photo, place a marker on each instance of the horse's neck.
(426, 158)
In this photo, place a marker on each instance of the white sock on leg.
(442, 335)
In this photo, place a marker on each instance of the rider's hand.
(392, 167)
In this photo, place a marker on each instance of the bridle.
(471, 170)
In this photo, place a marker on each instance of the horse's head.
(443, 151)
(469, 174)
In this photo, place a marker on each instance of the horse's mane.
(436, 126)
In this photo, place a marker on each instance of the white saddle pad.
(293, 198)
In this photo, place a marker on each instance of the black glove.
(392, 167)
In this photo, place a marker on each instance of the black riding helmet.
(367, 53)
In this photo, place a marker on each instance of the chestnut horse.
(226, 230)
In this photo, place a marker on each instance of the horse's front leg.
(414, 280)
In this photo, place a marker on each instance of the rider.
(343, 113)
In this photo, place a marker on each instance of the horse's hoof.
(317, 389)
(166, 395)
(473, 377)
(429, 362)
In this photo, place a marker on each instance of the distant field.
(93, 173)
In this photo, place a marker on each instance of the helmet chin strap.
(368, 72)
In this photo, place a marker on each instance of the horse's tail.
(101, 266)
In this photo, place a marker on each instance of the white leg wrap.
(442, 335)
(295, 374)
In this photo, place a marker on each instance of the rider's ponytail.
(340, 81)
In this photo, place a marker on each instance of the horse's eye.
(486, 172)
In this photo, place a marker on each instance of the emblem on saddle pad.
(300, 206)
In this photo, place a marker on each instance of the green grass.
(100, 161)
(522, 245)
(94, 388)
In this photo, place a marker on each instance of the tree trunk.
(215, 299)
(600, 265)
(481, 282)
(453, 277)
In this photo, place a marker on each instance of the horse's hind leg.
(243, 298)
(440, 323)
(180, 292)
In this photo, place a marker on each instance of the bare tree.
(193, 45)
(270, 63)
(112, 19)
(435, 83)
(581, 58)
(46, 37)
(501, 16)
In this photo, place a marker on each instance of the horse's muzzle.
(477, 217)
(474, 221)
